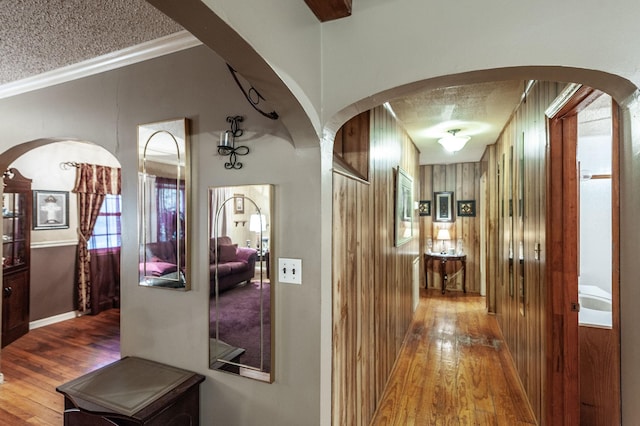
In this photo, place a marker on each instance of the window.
(107, 231)
(170, 222)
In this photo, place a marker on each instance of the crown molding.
(152, 49)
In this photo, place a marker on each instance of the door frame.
(562, 384)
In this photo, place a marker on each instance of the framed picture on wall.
(403, 208)
(466, 208)
(443, 206)
(425, 208)
(238, 203)
(50, 209)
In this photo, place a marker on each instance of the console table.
(133, 391)
(443, 259)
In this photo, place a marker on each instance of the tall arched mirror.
(163, 178)
(241, 296)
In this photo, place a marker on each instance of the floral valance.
(95, 179)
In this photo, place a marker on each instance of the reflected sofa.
(235, 264)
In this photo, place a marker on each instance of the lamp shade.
(257, 223)
(443, 234)
(453, 142)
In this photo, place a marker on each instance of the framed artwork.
(425, 208)
(443, 202)
(403, 208)
(238, 203)
(466, 208)
(50, 209)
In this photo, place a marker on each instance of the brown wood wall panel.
(372, 278)
(464, 180)
(523, 332)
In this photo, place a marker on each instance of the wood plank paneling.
(523, 329)
(464, 180)
(372, 279)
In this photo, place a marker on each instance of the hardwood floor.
(453, 369)
(34, 365)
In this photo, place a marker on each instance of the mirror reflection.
(163, 191)
(240, 315)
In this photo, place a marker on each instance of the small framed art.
(466, 208)
(238, 203)
(425, 208)
(50, 209)
(443, 206)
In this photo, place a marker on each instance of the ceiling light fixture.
(454, 143)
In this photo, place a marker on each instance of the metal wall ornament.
(466, 208)
(228, 146)
(252, 95)
(425, 208)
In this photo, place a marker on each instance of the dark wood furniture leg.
(464, 275)
(427, 259)
(443, 274)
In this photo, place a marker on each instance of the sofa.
(235, 264)
(161, 268)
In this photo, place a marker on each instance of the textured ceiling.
(477, 110)
(37, 36)
(42, 35)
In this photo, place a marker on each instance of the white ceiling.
(40, 36)
(477, 110)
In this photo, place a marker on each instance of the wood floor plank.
(453, 369)
(35, 364)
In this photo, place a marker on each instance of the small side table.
(133, 391)
(443, 259)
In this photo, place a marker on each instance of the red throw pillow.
(227, 253)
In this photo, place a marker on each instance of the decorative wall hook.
(252, 95)
(228, 146)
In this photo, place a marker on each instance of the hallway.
(453, 369)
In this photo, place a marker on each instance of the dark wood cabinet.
(16, 232)
(133, 391)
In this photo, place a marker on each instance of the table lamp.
(443, 234)
(257, 224)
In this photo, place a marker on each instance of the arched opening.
(46, 216)
(518, 315)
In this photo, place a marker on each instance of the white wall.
(43, 166)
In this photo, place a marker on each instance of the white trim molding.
(59, 243)
(52, 320)
(172, 43)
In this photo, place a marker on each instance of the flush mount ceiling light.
(453, 143)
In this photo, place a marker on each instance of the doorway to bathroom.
(583, 275)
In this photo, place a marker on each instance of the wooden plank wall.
(372, 279)
(464, 180)
(522, 321)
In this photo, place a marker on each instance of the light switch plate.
(290, 270)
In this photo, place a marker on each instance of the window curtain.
(219, 196)
(147, 185)
(167, 198)
(93, 182)
(105, 260)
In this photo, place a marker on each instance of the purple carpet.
(239, 321)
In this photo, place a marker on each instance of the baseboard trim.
(52, 320)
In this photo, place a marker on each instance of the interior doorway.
(583, 220)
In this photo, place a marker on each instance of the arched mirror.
(241, 296)
(163, 166)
